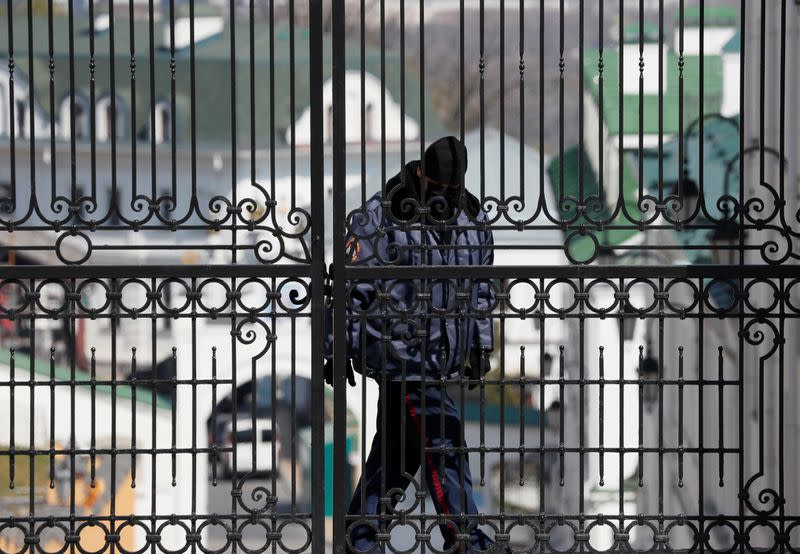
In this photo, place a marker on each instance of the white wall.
(714, 41)
(630, 70)
(353, 107)
(730, 85)
(168, 499)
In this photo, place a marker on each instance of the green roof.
(649, 33)
(712, 93)
(213, 69)
(733, 46)
(63, 376)
(713, 16)
(582, 248)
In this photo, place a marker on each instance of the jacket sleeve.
(360, 297)
(483, 337)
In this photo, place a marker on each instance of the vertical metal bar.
(742, 126)
(621, 357)
(522, 102)
(641, 416)
(132, 67)
(720, 405)
(601, 409)
(12, 416)
(114, 307)
(73, 354)
(581, 191)
(660, 102)
(93, 418)
(152, 66)
(426, 322)
(52, 100)
(561, 108)
(561, 388)
(114, 204)
(680, 416)
(236, 482)
(660, 384)
(700, 412)
(133, 417)
(541, 200)
(382, 522)
(701, 143)
(92, 106)
(317, 169)
(31, 419)
(52, 417)
(193, 102)
(601, 104)
(274, 407)
(193, 507)
(252, 90)
(502, 64)
(781, 366)
(363, 99)
(522, 404)
(235, 131)
(214, 411)
(172, 114)
(620, 200)
(293, 416)
(174, 422)
(462, 125)
(422, 94)
(272, 127)
(581, 406)
(153, 415)
(640, 153)
(463, 455)
(482, 430)
(482, 93)
(339, 197)
(542, 389)
(12, 132)
(681, 154)
(31, 98)
(783, 169)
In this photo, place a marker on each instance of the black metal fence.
(591, 349)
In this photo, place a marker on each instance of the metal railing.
(200, 224)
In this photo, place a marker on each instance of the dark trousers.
(443, 479)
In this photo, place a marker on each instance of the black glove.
(351, 377)
(478, 365)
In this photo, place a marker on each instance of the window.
(105, 117)
(368, 136)
(6, 198)
(82, 131)
(21, 117)
(164, 204)
(114, 207)
(163, 123)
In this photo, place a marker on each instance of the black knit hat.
(446, 161)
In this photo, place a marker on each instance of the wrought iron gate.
(199, 223)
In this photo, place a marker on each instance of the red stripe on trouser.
(437, 484)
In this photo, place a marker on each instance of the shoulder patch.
(353, 248)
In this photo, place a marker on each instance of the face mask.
(450, 195)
